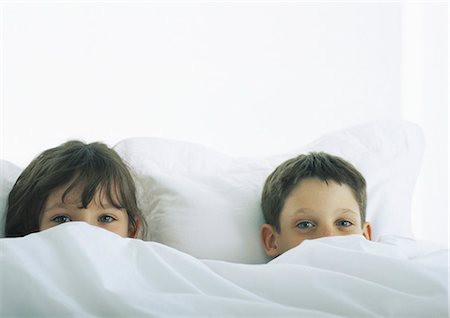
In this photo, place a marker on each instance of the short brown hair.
(94, 167)
(318, 165)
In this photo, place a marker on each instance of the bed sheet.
(79, 270)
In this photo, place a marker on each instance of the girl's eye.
(344, 223)
(305, 225)
(61, 219)
(106, 219)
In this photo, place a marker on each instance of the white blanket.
(83, 271)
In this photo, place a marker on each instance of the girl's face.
(100, 212)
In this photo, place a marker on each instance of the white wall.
(425, 101)
(246, 78)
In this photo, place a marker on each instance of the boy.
(312, 196)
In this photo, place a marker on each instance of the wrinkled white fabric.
(82, 271)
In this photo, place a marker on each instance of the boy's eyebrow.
(303, 211)
(307, 210)
(345, 210)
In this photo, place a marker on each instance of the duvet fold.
(79, 270)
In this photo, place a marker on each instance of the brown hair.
(318, 165)
(93, 167)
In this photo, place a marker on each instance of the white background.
(247, 78)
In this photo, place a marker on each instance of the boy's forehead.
(312, 193)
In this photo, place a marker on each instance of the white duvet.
(78, 270)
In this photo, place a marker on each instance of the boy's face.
(314, 209)
(99, 212)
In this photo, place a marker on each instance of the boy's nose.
(328, 231)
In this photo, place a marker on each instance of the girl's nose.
(88, 218)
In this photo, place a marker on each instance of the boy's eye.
(305, 225)
(61, 219)
(344, 223)
(106, 219)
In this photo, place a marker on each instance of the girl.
(75, 182)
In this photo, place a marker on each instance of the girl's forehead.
(74, 193)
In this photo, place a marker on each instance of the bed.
(202, 255)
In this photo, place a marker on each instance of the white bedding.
(79, 270)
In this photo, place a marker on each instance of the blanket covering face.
(79, 270)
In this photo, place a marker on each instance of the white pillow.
(9, 172)
(207, 204)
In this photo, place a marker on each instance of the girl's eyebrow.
(107, 206)
(56, 205)
(61, 205)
